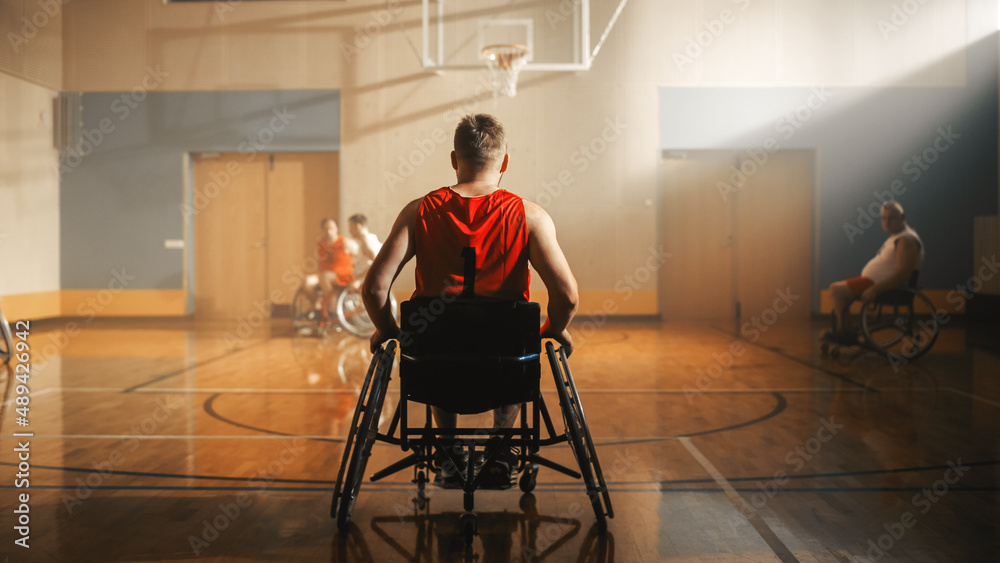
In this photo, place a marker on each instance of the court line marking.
(741, 505)
(249, 391)
(806, 363)
(397, 487)
(978, 398)
(209, 408)
(620, 486)
(198, 364)
(190, 437)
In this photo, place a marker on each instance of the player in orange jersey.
(336, 263)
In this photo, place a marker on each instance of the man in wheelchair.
(473, 239)
(897, 259)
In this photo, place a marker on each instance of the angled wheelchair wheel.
(897, 331)
(361, 437)
(305, 317)
(352, 315)
(579, 436)
(6, 339)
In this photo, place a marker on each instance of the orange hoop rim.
(504, 54)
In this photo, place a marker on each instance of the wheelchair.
(6, 339)
(348, 309)
(891, 326)
(467, 356)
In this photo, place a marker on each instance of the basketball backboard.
(558, 33)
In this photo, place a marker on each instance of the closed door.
(740, 233)
(255, 223)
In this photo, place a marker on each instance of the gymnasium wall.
(932, 149)
(32, 42)
(603, 201)
(30, 77)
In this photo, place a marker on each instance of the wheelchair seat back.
(900, 297)
(469, 355)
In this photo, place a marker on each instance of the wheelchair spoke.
(897, 331)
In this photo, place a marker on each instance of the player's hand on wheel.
(380, 338)
(563, 338)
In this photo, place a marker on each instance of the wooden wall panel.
(695, 227)
(302, 189)
(986, 250)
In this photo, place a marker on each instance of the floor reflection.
(503, 536)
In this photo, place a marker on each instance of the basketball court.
(711, 168)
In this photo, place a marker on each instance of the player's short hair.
(359, 219)
(322, 222)
(894, 205)
(479, 139)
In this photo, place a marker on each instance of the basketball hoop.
(505, 61)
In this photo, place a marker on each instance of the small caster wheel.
(420, 501)
(528, 478)
(824, 348)
(470, 527)
(528, 504)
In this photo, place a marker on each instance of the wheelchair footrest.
(408, 461)
(553, 465)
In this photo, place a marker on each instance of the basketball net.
(505, 61)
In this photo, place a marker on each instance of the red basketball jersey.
(333, 257)
(485, 237)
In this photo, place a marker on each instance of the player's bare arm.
(907, 258)
(395, 253)
(548, 260)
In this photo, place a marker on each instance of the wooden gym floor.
(170, 441)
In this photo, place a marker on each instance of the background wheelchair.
(468, 356)
(348, 310)
(891, 325)
(6, 338)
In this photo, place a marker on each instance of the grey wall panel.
(121, 197)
